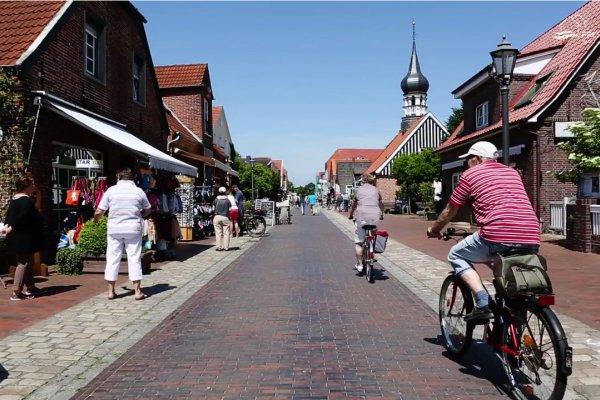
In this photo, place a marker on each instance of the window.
(94, 49)
(139, 80)
(533, 90)
(455, 178)
(206, 118)
(481, 115)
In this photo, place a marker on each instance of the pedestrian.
(127, 205)
(368, 207)
(239, 200)
(338, 202)
(221, 221)
(234, 213)
(302, 203)
(502, 208)
(312, 202)
(24, 236)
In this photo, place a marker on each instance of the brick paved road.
(289, 319)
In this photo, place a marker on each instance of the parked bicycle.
(525, 332)
(254, 223)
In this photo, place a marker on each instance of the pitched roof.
(24, 24)
(576, 36)
(393, 146)
(216, 113)
(174, 76)
(352, 155)
(175, 125)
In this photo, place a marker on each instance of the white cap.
(482, 149)
(222, 189)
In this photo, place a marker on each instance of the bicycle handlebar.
(453, 232)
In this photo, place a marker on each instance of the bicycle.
(524, 332)
(368, 252)
(254, 223)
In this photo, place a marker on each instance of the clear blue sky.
(300, 79)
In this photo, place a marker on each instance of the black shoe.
(480, 314)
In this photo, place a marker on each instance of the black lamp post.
(503, 66)
(252, 162)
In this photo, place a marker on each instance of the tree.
(266, 181)
(455, 118)
(583, 148)
(414, 171)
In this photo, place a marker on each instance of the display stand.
(186, 218)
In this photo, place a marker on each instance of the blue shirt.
(312, 199)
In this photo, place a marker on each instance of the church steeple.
(414, 86)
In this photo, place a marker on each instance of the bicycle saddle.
(367, 227)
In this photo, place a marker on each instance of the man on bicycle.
(503, 210)
(368, 206)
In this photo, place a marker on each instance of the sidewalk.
(423, 274)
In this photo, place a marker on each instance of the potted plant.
(69, 261)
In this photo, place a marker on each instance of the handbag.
(73, 195)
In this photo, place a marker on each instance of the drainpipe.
(170, 142)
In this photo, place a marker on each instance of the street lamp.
(504, 59)
(252, 162)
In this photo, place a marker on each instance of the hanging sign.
(88, 164)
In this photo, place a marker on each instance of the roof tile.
(172, 76)
(577, 35)
(21, 22)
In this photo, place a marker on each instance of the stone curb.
(58, 356)
(424, 274)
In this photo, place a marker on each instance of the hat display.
(222, 189)
(482, 149)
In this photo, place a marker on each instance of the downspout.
(37, 117)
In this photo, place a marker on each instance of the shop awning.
(225, 167)
(207, 160)
(158, 159)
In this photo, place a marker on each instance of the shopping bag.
(381, 238)
(73, 196)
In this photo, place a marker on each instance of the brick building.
(85, 75)
(553, 82)
(345, 166)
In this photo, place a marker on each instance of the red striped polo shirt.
(500, 203)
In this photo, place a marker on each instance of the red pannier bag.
(381, 238)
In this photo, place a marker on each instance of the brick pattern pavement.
(291, 320)
(55, 357)
(424, 274)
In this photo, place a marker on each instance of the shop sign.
(88, 164)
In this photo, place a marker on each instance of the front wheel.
(455, 303)
(538, 369)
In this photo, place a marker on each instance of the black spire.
(414, 81)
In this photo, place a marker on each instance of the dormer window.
(533, 90)
(481, 115)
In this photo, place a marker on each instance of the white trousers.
(114, 249)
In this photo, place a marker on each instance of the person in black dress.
(24, 231)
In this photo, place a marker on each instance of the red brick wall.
(188, 108)
(388, 188)
(57, 67)
(579, 227)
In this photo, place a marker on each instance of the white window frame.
(92, 33)
(139, 76)
(481, 115)
(455, 178)
(94, 49)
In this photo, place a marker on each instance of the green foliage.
(455, 118)
(69, 261)
(92, 238)
(15, 125)
(415, 174)
(248, 205)
(583, 148)
(266, 181)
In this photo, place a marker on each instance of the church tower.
(414, 86)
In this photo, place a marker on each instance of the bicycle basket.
(522, 275)
(381, 238)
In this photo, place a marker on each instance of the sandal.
(112, 296)
(141, 297)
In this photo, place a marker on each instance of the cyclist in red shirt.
(502, 209)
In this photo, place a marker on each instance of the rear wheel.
(257, 226)
(455, 302)
(369, 266)
(535, 373)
